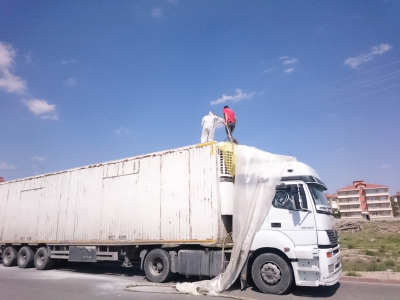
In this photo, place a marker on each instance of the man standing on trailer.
(209, 123)
(230, 120)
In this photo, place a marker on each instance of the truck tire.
(9, 257)
(157, 265)
(272, 274)
(25, 257)
(42, 259)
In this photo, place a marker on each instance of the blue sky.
(83, 82)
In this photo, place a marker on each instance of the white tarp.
(257, 174)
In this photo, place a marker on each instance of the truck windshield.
(317, 192)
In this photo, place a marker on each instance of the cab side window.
(285, 197)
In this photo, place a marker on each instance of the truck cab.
(297, 242)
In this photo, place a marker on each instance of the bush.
(337, 215)
(353, 273)
(370, 253)
(390, 263)
(350, 246)
(372, 267)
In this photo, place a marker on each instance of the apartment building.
(364, 199)
(332, 199)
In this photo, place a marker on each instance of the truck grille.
(333, 237)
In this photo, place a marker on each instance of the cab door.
(292, 213)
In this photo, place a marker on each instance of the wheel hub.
(270, 273)
(158, 266)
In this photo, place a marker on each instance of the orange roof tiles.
(367, 186)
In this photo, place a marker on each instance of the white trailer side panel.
(164, 197)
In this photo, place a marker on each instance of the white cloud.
(6, 166)
(354, 62)
(28, 58)
(384, 166)
(290, 70)
(122, 131)
(68, 62)
(69, 82)
(53, 116)
(235, 98)
(8, 81)
(269, 70)
(38, 158)
(290, 61)
(156, 12)
(284, 57)
(41, 108)
(12, 83)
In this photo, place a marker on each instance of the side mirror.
(303, 197)
(294, 191)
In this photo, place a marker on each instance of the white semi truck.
(171, 211)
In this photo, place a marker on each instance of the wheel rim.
(23, 256)
(7, 256)
(156, 266)
(270, 273)
(40, 259)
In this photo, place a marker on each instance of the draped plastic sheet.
(257, 174)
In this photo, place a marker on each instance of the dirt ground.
(370, 249)
(379, 275)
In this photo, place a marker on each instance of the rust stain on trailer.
(97, 242)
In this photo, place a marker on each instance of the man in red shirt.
(230, 119)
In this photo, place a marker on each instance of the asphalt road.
(108, 280)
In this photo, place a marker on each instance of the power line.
(303, 102)
(327, 84)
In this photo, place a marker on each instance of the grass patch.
(354, 274)
(370, 253)
(371, 249)
(390, 263)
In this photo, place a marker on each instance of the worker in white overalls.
(209, 123)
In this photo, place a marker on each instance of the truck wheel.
(9, 257)
(42, 259)
(157, 265)
(272, 274)
(25, 257)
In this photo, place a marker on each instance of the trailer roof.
(106, 163)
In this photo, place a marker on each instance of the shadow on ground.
(115, 269)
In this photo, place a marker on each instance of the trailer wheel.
(9, 257)
(272, 274)
(25, 257)
(157, 265)
(42, 259)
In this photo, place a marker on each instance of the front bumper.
(330, 267)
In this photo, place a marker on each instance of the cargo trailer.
(171, 211)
